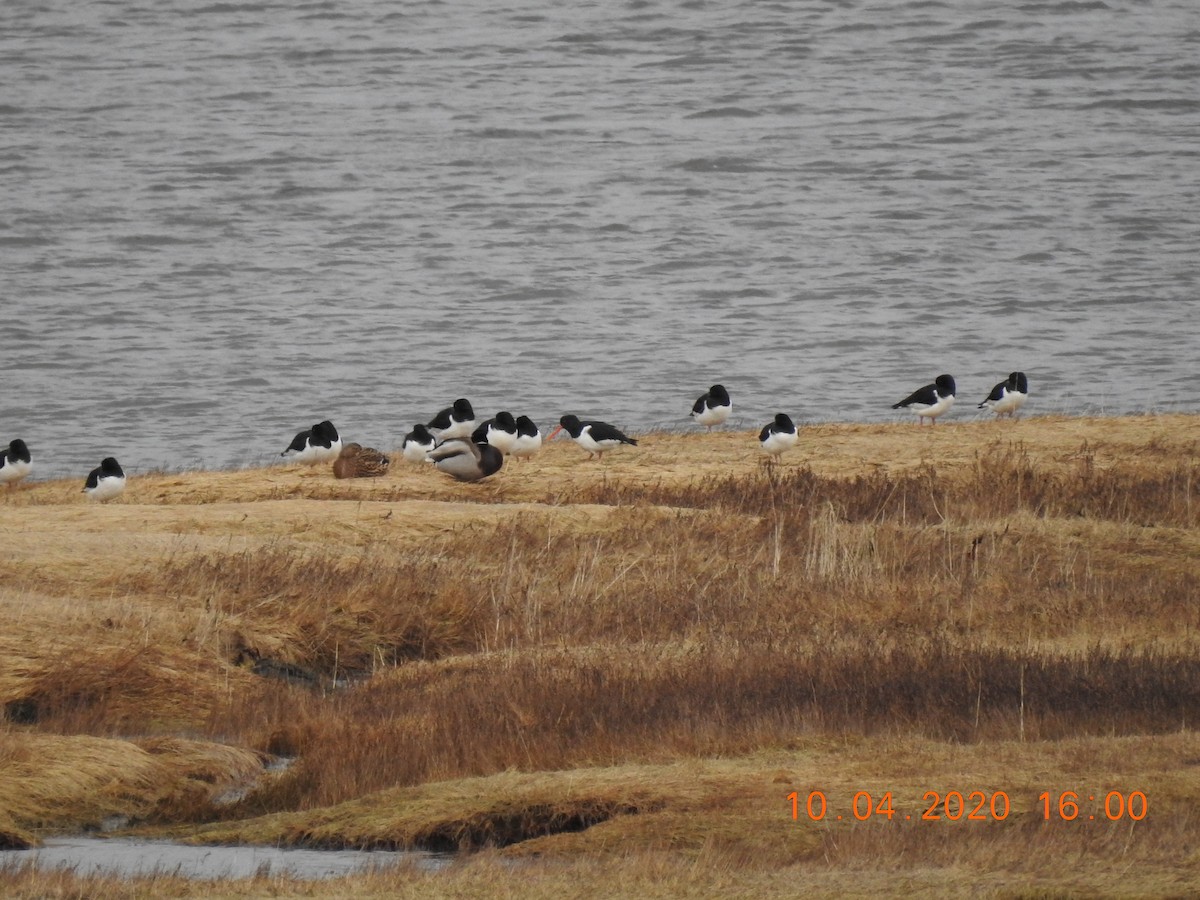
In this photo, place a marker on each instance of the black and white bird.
(712, 408)
(15, 463)
(930, 401)
(457, 421)
(778, 435)
(500, 432)
(319, 444)
(1008, 396)
(105, 481)
(417, 444)
(594, 437)
(529, 438)
(466, 460)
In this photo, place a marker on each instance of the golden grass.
(49, 782)
(669, 805)
(631, 663)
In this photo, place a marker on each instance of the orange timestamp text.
(972, 806)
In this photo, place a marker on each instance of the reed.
(563, 710)
(968, 591)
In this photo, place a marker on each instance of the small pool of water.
(129, 857)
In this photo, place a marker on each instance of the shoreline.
(1061, 425)
(269, 459)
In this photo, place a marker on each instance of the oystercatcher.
(417, 443)
(105, 481)
(930, 401)
(319, 444)
(1008, 396)
(457, 421)
(778, 435)
(500, 432)
(15, 463)
(712, 408)
(529, 438)
(594, 437)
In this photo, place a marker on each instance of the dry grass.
(49, 782)
(1001, 590)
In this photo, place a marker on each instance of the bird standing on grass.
(466, 460)
(457, 421)
(930, 401)
(15, 463)
(712, 408)
(529, 438)
(594, 437)
(778, 435)
(357, 461)
(105, 481)
(1008, 396)
(319, 444)
(500, 432)
(417, 444)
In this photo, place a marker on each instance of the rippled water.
(221, 223)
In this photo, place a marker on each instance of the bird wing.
(299, 441)
(997, 392)
(454, 448)
(602, 431)
(926, 395)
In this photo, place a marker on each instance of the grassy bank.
(631, 664)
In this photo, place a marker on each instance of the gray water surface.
(220, 223)
(128, 857)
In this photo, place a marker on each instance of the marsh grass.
(1016, 596)
(565, 710)
(328, 611)
(850, 602)
(94, 779)
(1001, 481)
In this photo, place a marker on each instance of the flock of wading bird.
(455, 443)
(469, 451)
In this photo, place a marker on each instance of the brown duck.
(357, 461)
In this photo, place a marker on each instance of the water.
(130, 857)
(221, 223)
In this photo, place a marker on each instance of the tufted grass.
(1011, 594)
